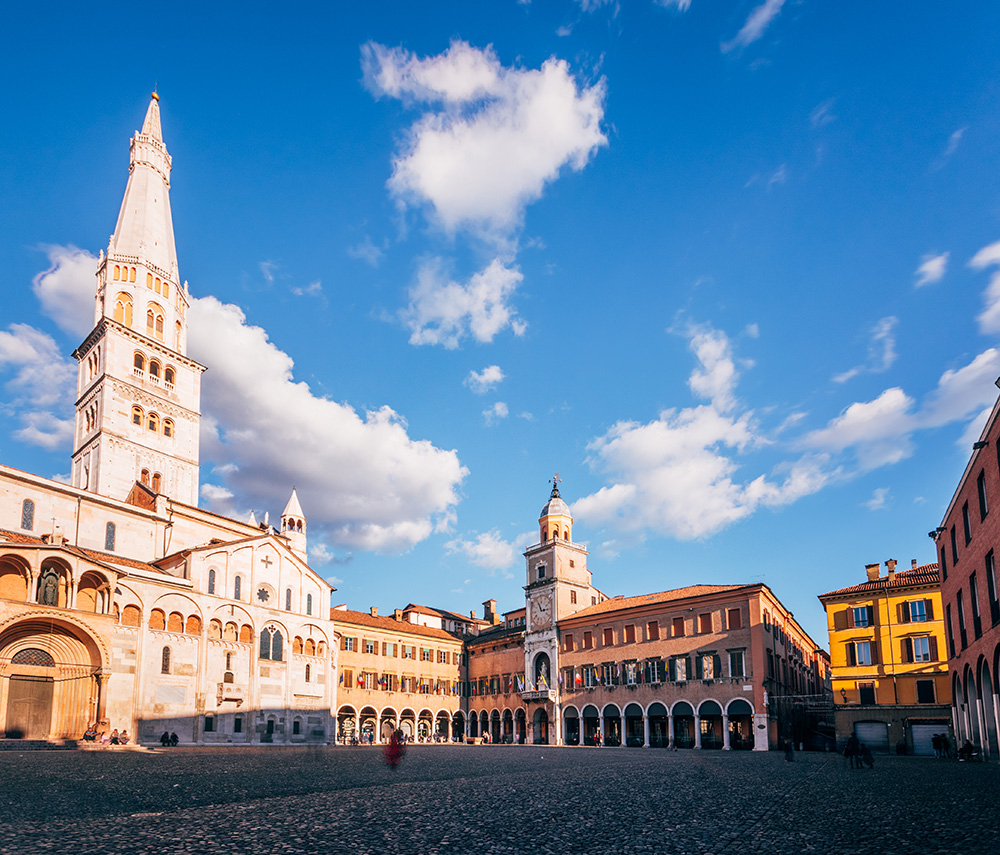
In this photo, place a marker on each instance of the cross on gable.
(266, 561)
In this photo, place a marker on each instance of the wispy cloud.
(822, 114)
(950, 148)
(932, 269)
(881, 351)
(878, 499)
(757, 22)
(989, 318)
(367, 252)
(496, 413)
(481, 382)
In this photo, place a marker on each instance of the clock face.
(542, 612)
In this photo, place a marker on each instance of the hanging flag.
(578, 678)
(341, 679)
(560, 678)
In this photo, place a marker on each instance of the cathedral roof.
(293, 508)
(555, 505)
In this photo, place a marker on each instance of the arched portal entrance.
(51, 678)
(347, 725)
(740, 725)
(710, 722)
(458, 727)
(658, 735)
(387, 724)
(540, 727)
(635, 735)
(484, 723)
(441, 727)
(612, 734)
(369, 724)
(520, 727)
(591, 721)
(989, 716)
(571, 726)
(542, 672)
(508, 727)
(683, 725)
(495, 727)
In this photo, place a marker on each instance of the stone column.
(102, 696)
(33, 585)
(645, 730)
(621, 731)
(760, 734)
(670, 730)
(558, 722)
(725, 732)
(697, 730)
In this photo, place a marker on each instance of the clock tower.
(558, 584)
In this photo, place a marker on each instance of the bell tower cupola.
(293, 526)
(555, 522)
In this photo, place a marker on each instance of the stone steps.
(38, 745)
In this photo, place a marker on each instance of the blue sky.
(731, 269)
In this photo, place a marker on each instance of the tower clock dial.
(541, 612)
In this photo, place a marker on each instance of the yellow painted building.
(888, 659)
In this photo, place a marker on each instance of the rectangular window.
(961, 622)
(954, 547)
(921, 649)
(966, 524)
(370, 646)
(348, 643)
(572, 597)
(863, 616)
(706, 665)
(589, 676)
(951, 634)
(863, 652)
(609, 675)
(735, 619)
(238, 724)
(944, 564)
(679, 669)
(925, 691)
(737, 663)
(209, 724)
(588, 639)
(425, 654)
(653, 631)
(918, 610)
(704, 623)
(977, 621)
(630, 634)
(991, 588)
(678, 627)
(866, 693)
(609, 637)
(443, 656)
(981, 489)
(568, 642)
(348, 676)
(658, 671)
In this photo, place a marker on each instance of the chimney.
(872, 571)
(490, 611)
(374, 611)
(913, 563)
(472, 614)
(890, 566)
(397, 614)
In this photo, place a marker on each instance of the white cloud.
(267, 268)
(494, 137)
(442, 311)
(878, 499)
(756, 23)
(932, 269)
(481, 382)
(989, 318)
(752, 330)
(43, 383)
(495, 413)
(363, 482)
(313, 289)
(490, 551)
(950, 149)
(881, 351)
(677, 474)
(214, 494)
(679, 5)
(779, 176)
(67, 290)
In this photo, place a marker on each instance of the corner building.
(967, 543)
(888, 659)
(703, 666)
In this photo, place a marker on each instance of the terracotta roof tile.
(17, 537)
(621, 603)
(927, 574)
(387, 624)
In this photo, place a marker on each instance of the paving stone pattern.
(491, 800)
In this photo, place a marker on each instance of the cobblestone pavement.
(491, 799)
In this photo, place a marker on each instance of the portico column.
(670, 730)
(74, 586)
(725, 732)
(621, 731)
(102, 696)
(697, 731)
(33, 585)
(645, 731)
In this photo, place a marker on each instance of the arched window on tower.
(131, 274)
(153, 422)
(123, 309)
(154, 369)
(157, 482)
(149, 279)
(154, 321)
(288, 599)
(109, 537)
(237, 587)
(168, 376)
(137, 415)
(118, 272)
(211, 580)
(177, 334)
(139, 362)
(144, 477)
(309, 604)
(168, 427)
(165, 661)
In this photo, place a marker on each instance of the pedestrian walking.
(851, 751)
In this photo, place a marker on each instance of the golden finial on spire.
(155, 96)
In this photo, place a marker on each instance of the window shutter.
(906, 649)
(850, 618)
(356, 648)
(717, 667)
(874, 649)
(673, 670)
(840, 619)
(687, 668)
(904, 612)
(852, 658)
(871, 615)
(343, 642)
(929, 608)
(934, 649)
(698, 668)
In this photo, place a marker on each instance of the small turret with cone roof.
(293, 526)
